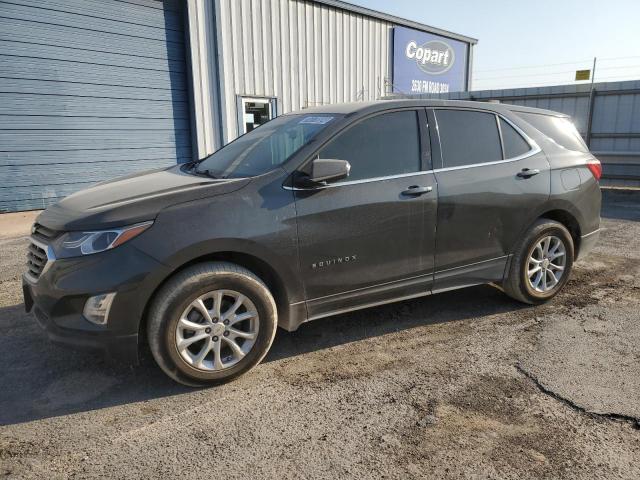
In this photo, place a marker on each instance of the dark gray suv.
(315, 213)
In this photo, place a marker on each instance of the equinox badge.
(334, 261)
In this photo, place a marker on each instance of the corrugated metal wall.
(302, 53)
(89, 90)
(615, 129)
(616, 118)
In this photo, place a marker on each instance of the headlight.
(75, 244)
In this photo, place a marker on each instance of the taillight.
(595, 167)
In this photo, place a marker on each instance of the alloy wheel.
(217, 330)
(546, 264)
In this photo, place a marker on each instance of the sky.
(535, 43)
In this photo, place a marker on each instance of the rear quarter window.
(558, 129)
(514, 144)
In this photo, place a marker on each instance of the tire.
(176, 317)
(518, 284)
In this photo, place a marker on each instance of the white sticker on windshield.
(316, 120)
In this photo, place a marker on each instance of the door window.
(385, 145)
(514, 144)
(468, 137)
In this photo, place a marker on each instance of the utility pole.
(592, 101)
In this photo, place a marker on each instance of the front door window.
(381, 146)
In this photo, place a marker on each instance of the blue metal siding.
(89, 90)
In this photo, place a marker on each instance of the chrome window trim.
(51, 257)
(415, 109)
(504, 153)
(535, 148)
(531, 153)
(356, 182)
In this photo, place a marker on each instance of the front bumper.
(122, 348)
(58, 296)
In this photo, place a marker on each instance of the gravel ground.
(465, 384)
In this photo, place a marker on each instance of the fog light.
(96, 310)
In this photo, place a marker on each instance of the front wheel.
(211, 323)
(541, 264)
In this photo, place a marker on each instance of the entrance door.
(492, 182)
(370, 238)
(253, 112)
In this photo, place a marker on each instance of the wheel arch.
(571, 223)
(561, 211)
(266, 271)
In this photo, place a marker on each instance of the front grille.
(36, 260)
(43, 232)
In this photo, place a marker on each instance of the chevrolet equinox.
(313, 214)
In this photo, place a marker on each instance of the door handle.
(528, 173)
(416, 191)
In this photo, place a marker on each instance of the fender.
(292, 308)
(285, 268)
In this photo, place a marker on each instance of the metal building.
(94, 89)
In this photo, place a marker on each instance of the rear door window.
(559, 129)
(468, 137)
(381, 146)
(514, 144)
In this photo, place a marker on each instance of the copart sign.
(427, 63)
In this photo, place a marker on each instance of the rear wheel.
(541, 264)
(211, 323)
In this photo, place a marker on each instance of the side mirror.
(324, 170)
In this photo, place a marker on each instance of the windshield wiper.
(207, 172)
(192, 168)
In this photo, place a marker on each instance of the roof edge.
(397, 20)
(382, 105)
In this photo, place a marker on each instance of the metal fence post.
(592, 102)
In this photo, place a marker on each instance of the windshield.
(266, 147)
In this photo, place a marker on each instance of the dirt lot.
(467, 384)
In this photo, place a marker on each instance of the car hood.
(132, 199)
